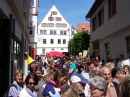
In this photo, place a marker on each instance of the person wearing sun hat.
(79, 82)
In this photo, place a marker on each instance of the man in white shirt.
(127, 61)
(121, 58)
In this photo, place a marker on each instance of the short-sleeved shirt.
(73, 66)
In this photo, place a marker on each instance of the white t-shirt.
(120, 64)
(85, 74)
(87, 91)
(125, 62)
(24, 93)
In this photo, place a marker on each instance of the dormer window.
(51, 18)
(53, 12)
(58, 18)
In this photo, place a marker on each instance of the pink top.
(111, 92)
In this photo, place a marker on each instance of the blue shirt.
(48, 88)
(73, 67)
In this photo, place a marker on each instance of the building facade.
(34, 4)
(83, 27)
(110, 28)
(14, 39)
(54, 32)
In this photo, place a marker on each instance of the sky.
(73, 11)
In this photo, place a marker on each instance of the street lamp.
(83, 28)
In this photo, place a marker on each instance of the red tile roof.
(86, 27)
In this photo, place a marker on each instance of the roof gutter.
(93, 8)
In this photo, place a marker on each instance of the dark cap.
(68, 58)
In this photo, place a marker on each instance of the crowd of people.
(74, 76)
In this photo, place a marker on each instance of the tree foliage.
(79, 42)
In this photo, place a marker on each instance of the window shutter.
(48, 18)
(102, 15)
(113, 6)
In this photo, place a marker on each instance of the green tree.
(79, 42)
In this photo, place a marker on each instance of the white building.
(34, 4)
(54, 32)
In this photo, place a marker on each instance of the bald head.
(106, 74)
(104, 68)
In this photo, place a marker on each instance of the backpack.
(13, 85)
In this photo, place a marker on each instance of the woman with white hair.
(98, 87)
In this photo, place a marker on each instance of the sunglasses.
(31, 83)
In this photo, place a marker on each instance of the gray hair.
(100, 83)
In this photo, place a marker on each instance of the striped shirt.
(13, 91)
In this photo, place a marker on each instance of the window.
(64, 41)
(44, 41)
(96, 46)
(44, 25)
(58, 18)
(43, 51)
(31, 2)
(128, 45)
(64, 25)
(59, 41)
(41, 31)
(44, 32)
(31, 23)
(61, 32)
(57, 24)
(51, 41)
(72, 32)
(30, 32)
(53, 32)
(64, 32)
(24, 5)
(111, 7)
(53, 13)
(94, 24)
(51, 24)
(107, 46)
(101, 17)
(50, 18)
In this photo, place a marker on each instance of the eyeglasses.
(92, 88)
(31, 83)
